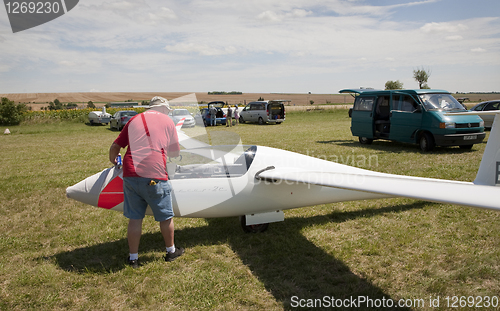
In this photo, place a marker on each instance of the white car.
(179, 114)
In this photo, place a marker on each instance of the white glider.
(258, 183)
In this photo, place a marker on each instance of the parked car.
(424, 117)
(99, 117)
(179, 114)
(220, 117)
(121, 118)
(269, 111)
(487, 106)
(218, 104)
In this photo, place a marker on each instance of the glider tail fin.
(489, 170)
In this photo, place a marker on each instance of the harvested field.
(39, 100)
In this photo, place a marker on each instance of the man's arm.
(114, 150)
(174, 154)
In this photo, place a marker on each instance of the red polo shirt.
(150, 136)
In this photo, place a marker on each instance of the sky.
(261, 46)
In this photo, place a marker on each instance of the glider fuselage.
(249, 194)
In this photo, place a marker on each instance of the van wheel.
(241, 120)
(365, 141)
(261, 121)
(426, 142)
(252, 228)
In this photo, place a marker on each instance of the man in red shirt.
(151, 138)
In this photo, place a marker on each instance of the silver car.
(269, 111)
(179, 114)
(487, 106)
(120, 118)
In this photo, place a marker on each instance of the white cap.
(159, 101)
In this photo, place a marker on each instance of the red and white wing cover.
(104, 189)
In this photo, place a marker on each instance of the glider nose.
(82, 193)
(104, 189)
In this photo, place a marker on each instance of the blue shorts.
(138, 194)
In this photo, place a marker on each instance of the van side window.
(364, 103)
(404, 103)
(257, 107)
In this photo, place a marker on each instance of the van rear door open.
(276, 111)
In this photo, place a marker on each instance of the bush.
(10, 113)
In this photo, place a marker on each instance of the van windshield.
(440, 102)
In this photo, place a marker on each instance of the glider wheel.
(252, 228)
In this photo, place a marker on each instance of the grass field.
(58, 254)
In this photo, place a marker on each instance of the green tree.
(10, 113)
(394, 85)
(421, 76)
(56, 105)
(90, 104)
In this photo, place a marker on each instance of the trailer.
(99, 117)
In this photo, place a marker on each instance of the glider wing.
(435, 190)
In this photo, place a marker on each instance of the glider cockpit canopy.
(212, 162)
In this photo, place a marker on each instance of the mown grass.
(59, 254)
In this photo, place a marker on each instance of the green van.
(423, 116)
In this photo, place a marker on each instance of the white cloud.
(298, 38)
(478, 50)
(299, 13)
(67, 63)
(454, 38)
(269, 16)
(201, 49)
(164, 15)
(443, 27)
